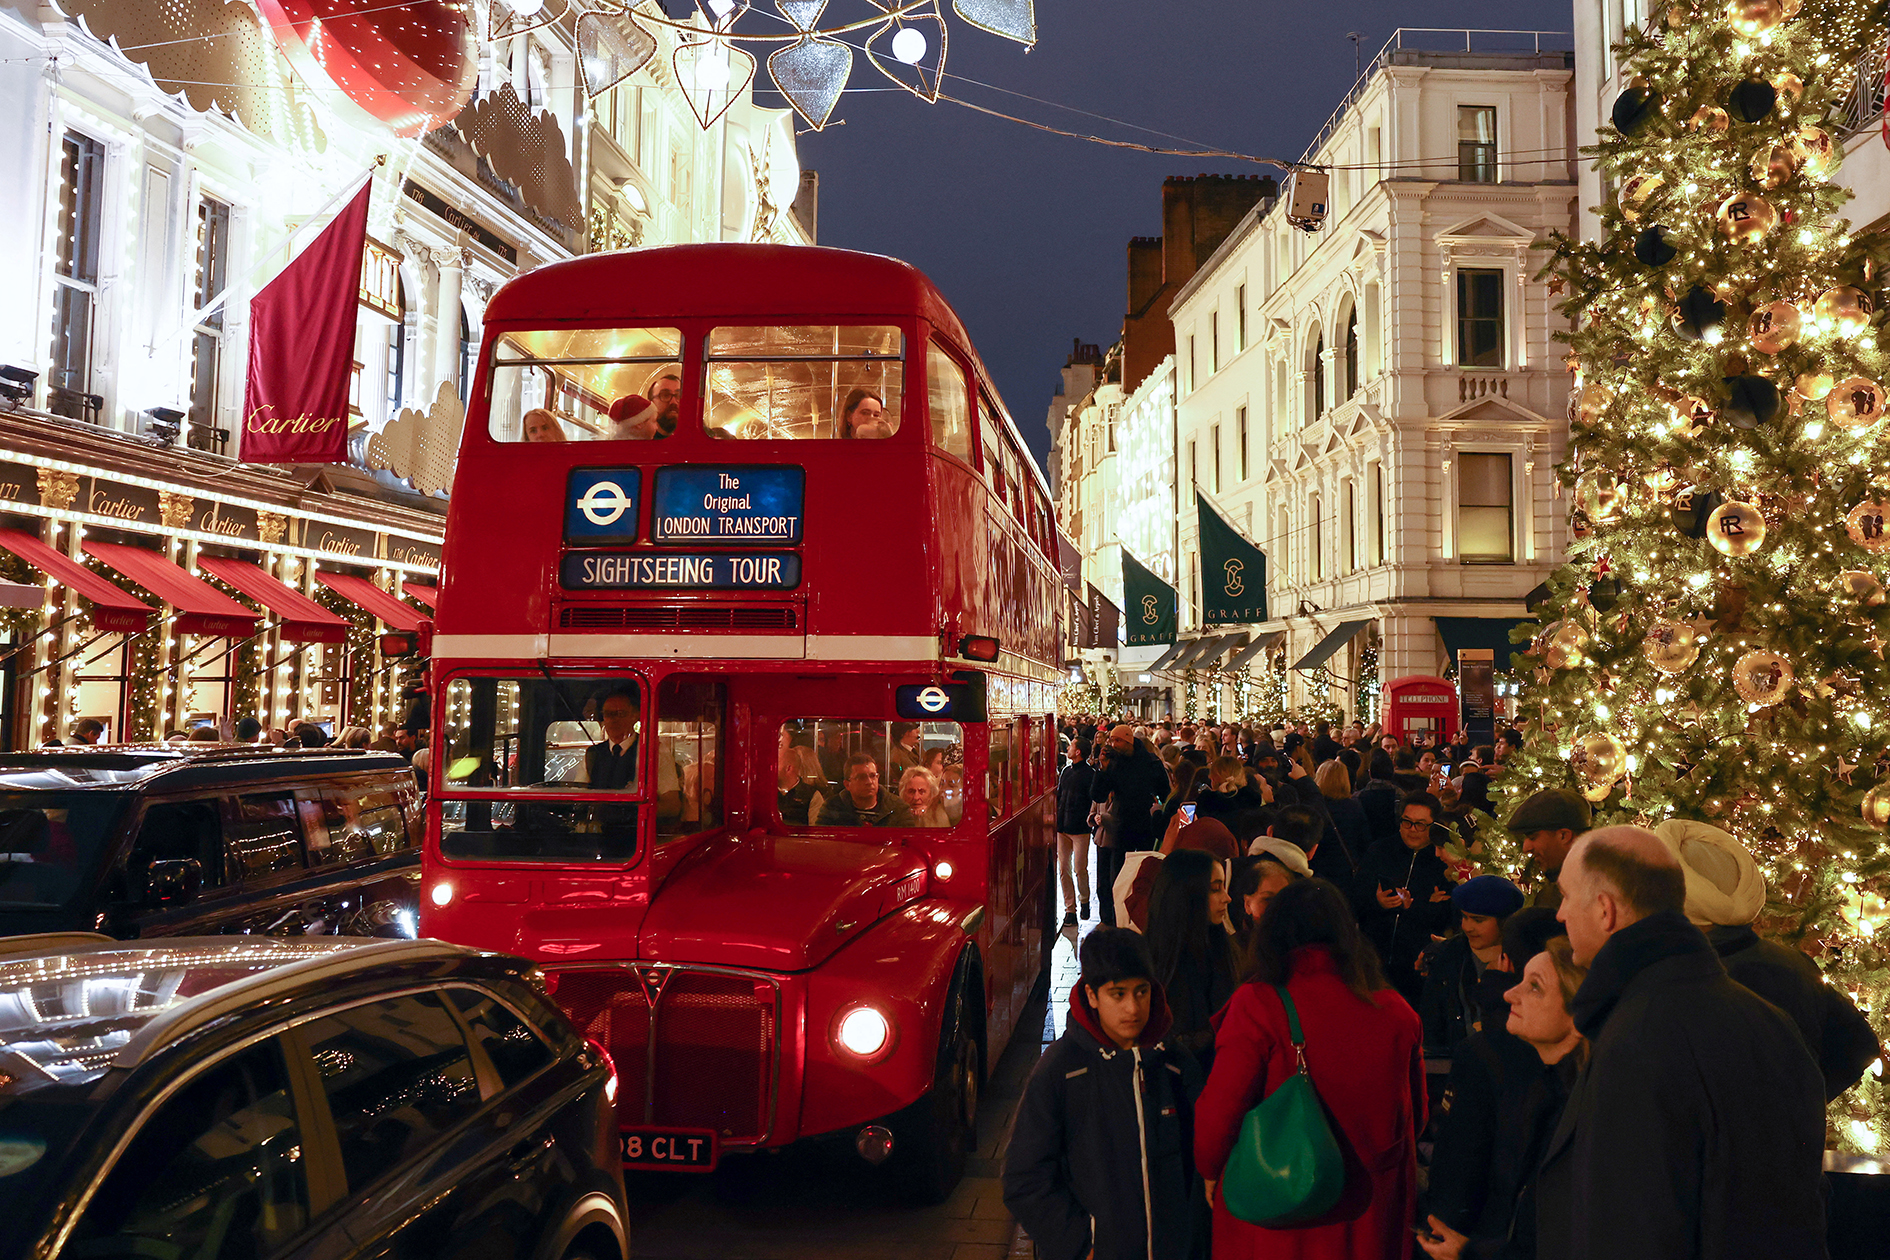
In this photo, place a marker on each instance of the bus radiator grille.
(678, 617)
(714, 1040)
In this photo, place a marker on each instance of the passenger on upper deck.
(864, 803)
(634, 416)
(864, 415)
(542, 426)
(920, 791)
(665, 390)
(611, 763)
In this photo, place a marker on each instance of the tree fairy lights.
(1714, 647)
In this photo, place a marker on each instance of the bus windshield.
(842, 772)
(586, 384)
(818, 381)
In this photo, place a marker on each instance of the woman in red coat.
(1364, 1050)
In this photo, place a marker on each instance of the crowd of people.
(409, 743)
(1606, 1059)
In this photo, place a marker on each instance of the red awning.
(112, 607)
(371, 599)
(201, 607)
(428, 595)
(303, 620)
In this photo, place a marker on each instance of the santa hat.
(632, 410)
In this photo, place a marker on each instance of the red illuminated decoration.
(410, 66)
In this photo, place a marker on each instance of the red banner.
(301, 349)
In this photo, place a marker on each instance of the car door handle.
(528, 1150)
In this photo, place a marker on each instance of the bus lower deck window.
(843, 772)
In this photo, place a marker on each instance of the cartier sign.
(338, 540)
(119, 501)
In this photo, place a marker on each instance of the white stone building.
(1379, 404)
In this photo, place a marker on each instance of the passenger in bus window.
(864, 415)
(863, 802)
(904, 750)
(611, 763)
(542, 426)
(635, 418)
(920, 791)
(665, 390)
(800, 791)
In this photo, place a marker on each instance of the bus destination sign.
(701, 571)
(729, 505)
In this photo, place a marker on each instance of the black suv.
(202, 839)
(264, 1099)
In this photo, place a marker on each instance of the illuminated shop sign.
(728, 505)
(702, 571)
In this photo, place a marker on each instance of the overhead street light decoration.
(810, 61)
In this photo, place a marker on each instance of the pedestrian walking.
(1099, 1165)
(1725, 893)
(1696, 1130)
(1193, 949)
(1364, 1055)
(1073, 805)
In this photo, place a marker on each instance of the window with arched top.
(1319, 377)
(1351, 353)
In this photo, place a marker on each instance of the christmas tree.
(1714, 647)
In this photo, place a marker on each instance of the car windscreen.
(51, 843)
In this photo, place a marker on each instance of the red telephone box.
(1421, 711)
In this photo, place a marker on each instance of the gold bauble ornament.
(1564, 645)
(1746, 218)
(1635, 192)
(1772, 167)
(1599, 758)
(1855, 403)
(1671, 646)
(1876, 807)
(1846, 308)
(1599, 494)
(1754, 17)
(1865, 525)
(1774, 327)
(1817, 151)
(1863, 586)
(1595, 793)
(1692, 414)
(1710, 119)
(1790, 8)
(1813, 386)
(1736, 529)
(1762, 677)
(1790, 88)
(1592, 401)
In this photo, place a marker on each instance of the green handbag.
(1285, 1167)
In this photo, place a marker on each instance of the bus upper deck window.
(948, 403)
(585, 384)
(777, 382)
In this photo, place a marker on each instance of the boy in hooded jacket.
(1100, 1161)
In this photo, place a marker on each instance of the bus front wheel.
(935, 1135)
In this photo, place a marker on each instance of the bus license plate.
(672, 1150)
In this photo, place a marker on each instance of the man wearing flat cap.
(1548, 823)
(1725, 893)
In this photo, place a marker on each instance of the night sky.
(1024, 232)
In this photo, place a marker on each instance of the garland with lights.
(146, 680)
(1714, 647)
(363, 650)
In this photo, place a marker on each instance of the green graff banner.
(1148, 605)
(1233, 572)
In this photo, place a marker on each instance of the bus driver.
(611, 763)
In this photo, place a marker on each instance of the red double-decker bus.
(742, 682)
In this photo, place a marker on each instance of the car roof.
(74, 1006)
(174, 765)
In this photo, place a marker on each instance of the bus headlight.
(863, 1032)
(442, 893)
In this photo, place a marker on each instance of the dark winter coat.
(1224, 807)
(1349, 839)
(1836, 1033)
(1453, 1002)
(1073, 799)
(1139, 781)
(1196, 989)
(1463, 1171)
(1367, 1064)
(1379, 801)
(1697, 1128)
(1401, 935)
(1096, 1124)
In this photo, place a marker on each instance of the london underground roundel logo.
(934, 700)
(604, 503)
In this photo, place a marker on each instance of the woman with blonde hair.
(919, 789)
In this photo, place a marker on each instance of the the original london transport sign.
(699, 570)
(728, 505)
